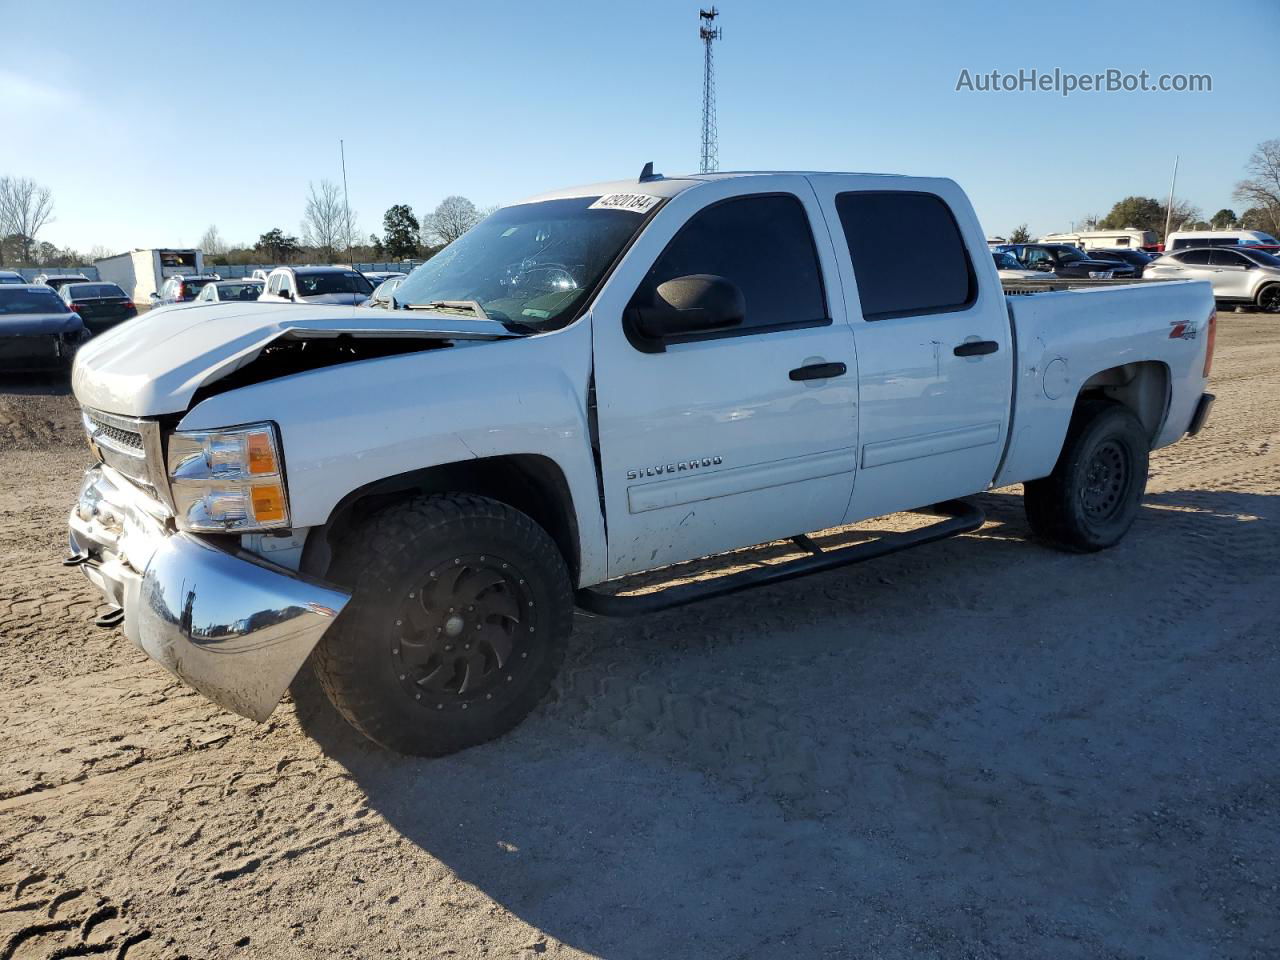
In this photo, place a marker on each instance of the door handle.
(819, 371)
(976, 348)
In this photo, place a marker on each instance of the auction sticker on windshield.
(635, 202)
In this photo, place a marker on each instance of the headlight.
(228, 480)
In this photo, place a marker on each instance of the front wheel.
(457, 624)
(1092, 497)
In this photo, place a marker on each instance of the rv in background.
(1129, 237)
(143, 272)
(1182, 239)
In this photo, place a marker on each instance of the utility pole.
(346, 206)
(1168, 211)
(708, 33)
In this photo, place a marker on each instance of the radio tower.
(710, 148)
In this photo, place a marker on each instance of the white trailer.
(141, 273)
(1130, 237)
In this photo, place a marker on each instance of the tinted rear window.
(249, 290)
(318, 284)
(22, 300)
(882, 230)
(94, 291)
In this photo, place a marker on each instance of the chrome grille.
(109, 433)
(130, 446)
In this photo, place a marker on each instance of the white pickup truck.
(592, 383)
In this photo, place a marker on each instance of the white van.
(1125, 238)
(1181, 239)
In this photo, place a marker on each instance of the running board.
(962, 517)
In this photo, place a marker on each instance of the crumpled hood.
(39, 324)
(153, 364)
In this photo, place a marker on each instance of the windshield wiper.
(472, 305)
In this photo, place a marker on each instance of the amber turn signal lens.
(268, 502)
(262, 454)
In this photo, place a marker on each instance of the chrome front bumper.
(228, 624)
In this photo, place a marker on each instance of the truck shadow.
(958, 747)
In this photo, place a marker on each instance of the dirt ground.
(981, 748)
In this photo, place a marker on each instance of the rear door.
(935, 358)
(727, 439)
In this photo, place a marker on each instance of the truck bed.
(1071, 334)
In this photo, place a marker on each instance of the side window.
(1035, 255)
(1196, 257)
(761, 243)
(273, 285)
(882, 229)
(1226, 258)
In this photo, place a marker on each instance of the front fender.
(347, 426)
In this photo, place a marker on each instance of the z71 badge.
(678, 467)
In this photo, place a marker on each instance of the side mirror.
(698, 303)
(154, 295)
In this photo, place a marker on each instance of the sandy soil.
(982, 748)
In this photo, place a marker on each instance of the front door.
(935, 355)
(1231, 275)
(727, 439)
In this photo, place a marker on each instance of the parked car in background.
(377, 277)
(182, 289)
(317, 285)
(38, 331)
(100, 305)
(1009, 268)
(11, 276)
(1238, 274)
(1138, 259)
(1068, 262)
(383, 292)
(60, 280)
(222, 291)
(1186, 239)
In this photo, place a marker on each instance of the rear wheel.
(1092, 497)
(457, 624)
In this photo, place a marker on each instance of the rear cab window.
(882, 228)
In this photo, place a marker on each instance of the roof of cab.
(668, 187)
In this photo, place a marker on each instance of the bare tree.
(212, 243)
(1260, 191)
(99, 252)
(451, 219)
(327, 225)
(25, 207)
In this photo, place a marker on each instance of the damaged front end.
(226, 622)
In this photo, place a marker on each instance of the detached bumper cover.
(230, 625)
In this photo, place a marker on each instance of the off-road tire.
(1092, 497)
(408, 554)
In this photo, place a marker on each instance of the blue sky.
(149, 124)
